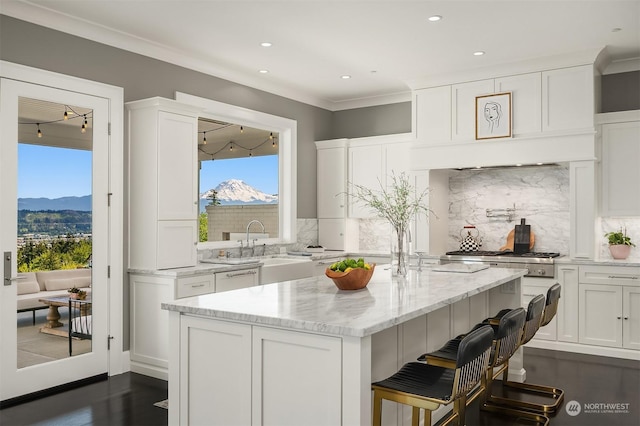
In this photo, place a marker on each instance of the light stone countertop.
(316, 305)
(629, 262)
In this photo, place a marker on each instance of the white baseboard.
(585, 349)
(149, 370)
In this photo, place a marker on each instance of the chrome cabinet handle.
(197, 285)
(618, 277)
(238, 274)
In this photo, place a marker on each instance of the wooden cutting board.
(511, 237)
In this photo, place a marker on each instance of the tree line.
(58, 253)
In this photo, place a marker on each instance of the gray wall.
(372, 121)
(621, 92)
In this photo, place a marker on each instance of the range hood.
(547, 149)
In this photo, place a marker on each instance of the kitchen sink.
(275, 269)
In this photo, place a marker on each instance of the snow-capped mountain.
(235, 191)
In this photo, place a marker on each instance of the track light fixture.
(65, 117)
(204, 138)
(39, 132)
(241, 129)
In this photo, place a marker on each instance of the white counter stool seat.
(425, 386)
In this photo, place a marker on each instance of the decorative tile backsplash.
(539, 194)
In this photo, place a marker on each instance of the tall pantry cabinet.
(163, 184)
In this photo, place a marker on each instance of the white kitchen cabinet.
(567, 315)
(332, 178)
(431, 109)
(463, 107)
(609, 306)
(281, 361)
(163, 176)
(149, 341)
(338, 234)
(532, 287)
(335, 230)
(215, 384)
(320, 265)
(233, 280)
(372, 164)
(526, 101)
(568, 101)
(620, 171)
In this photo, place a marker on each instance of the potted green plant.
(399, 202)
(619, 243)
(76, 293)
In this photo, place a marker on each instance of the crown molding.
(55, 20)
(585, 57)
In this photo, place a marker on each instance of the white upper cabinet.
(568, 99)
(620, 171)
(372, 162)
(432, 114)
(332, 179)
(463, 106)
(163, 176)
(525, 101)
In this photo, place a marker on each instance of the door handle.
(8, 279)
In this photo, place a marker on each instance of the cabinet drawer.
(194, 286)
(234, 280)
(613, 275)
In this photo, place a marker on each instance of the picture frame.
(493, 116)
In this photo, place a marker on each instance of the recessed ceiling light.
(435, 18)
(539, 164)
(345, 77)
(478, 53)
(518, 165)
(263, 71)
(265, 44)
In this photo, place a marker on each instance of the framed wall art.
(493, 116)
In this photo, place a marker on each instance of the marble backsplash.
(609, 224)
(538, 194)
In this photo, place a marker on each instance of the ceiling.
(382, 45)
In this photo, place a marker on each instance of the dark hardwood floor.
(128, 399)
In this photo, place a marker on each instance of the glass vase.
(400, 250)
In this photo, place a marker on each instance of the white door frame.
(118, 362)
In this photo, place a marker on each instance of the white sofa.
(33, 286)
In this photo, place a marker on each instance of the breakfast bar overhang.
(304, 352)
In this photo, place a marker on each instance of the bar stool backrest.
(533, 320)
(553, 298)
(508, 335)
(472, 360)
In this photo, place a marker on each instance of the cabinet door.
(177, 167)
(177, 241)
(620, 171)
(568, 99)
(283, 361)
(631, 317)
(331, 233)
(234, 280)
(149, 347)
(525, 100)
(601, 315)
(332, 180)
(432, 114)
(365, 169)
(215, 384)
(567, 314)
(531, 287)
(463, 107)
(397, 160)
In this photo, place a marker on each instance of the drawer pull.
(197, 285)
(238, 274)
(618, 277)
(531, 295)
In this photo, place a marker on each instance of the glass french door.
(53, 218)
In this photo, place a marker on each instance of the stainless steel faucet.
(253, 247)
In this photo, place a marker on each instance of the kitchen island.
(304, 352)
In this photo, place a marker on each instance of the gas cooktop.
(507, 253)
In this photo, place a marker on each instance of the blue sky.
(53, 172)
(59, 172)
